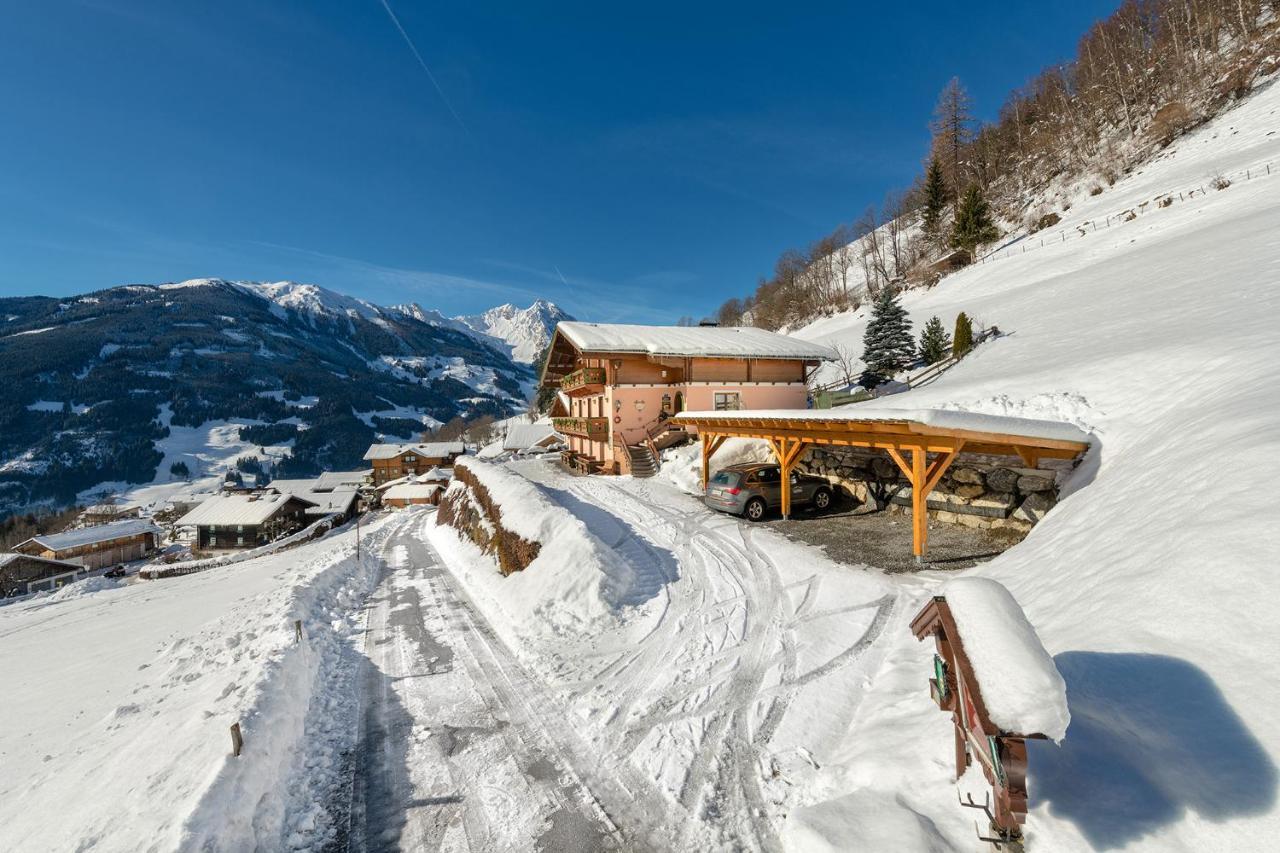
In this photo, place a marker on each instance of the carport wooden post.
(788, 454)
(710, 444)
(922, 479)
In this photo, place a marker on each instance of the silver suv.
(751, 490)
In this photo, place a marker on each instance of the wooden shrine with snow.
(1001, 688)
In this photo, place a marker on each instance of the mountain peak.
(526, 331)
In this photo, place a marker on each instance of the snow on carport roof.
(99, 533)
(944, 419)
(706, 341)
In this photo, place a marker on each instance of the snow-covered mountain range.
(525, 332)
(99, 385)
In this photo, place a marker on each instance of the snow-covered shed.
(412, 494)
(524, 436)
(97, 546)
(24, 573)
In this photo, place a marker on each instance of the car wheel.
(822, 499)
(754, 510)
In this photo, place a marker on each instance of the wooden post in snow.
(237, 740)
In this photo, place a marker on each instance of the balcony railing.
(596, 429)
(589, 379)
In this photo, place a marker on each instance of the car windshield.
(725, 478)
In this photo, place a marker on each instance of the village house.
(392, 461)
(333, 492)
(107, 512)
(95, 547)
(412, 494)
(623, 383)
(246, 521)
(21, 574)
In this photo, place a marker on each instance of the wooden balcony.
(588, 380)
(595, 429)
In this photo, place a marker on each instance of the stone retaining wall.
(988, 492)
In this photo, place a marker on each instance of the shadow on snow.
(1151, 737)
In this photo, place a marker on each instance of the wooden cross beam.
(710, 444)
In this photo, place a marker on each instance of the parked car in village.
(116, 572)
(752, 489)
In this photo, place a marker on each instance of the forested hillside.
(93, 384)
(1141, 78)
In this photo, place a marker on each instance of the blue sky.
(630, 162)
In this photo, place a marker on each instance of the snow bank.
(682, 466)
(865, 820)
(119, 701)
(1021, 687)
(570, 585)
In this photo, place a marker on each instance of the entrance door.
(679, 402)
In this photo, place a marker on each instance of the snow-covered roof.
(1021, 687)
(409, 491)
(92, 535)
(427, 450)
(436, 475)
(293, 487)
(338, 500)
(240, 509)
(705, 341)
(6, 559)
(940, 418)
(523, 436)
(338, 479)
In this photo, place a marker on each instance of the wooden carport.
(908, 437)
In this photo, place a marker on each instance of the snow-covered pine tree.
(964, 335)
(935, 202)
(935, 343)
(888, 345)
(973, 225)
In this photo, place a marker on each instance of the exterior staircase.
(643, 461)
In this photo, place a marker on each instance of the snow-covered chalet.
(620, 384)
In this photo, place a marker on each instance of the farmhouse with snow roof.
(95, 547)
(246, 521)
(625, 382)
(392, 461)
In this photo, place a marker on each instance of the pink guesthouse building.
(620, 384)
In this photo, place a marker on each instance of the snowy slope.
(1152, 581)
(118, 699)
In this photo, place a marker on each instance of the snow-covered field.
(118, 698)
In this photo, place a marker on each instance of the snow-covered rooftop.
(427, 450)
(706, 341)
(338, 479)
(98, 533)
(523, 436)
(6, 559)
(939, 418)
(338, 500)
(239, 509)
(1021, 687)
(409, 491)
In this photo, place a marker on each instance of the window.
(666, 403)
(769, 476)
(728, 401)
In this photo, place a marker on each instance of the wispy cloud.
(422, 62)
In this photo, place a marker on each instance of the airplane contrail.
(422, 62)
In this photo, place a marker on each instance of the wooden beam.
(919, 506)
(1028, 455)
(937, 469)
(901, 463)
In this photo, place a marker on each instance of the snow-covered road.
(454, 751)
